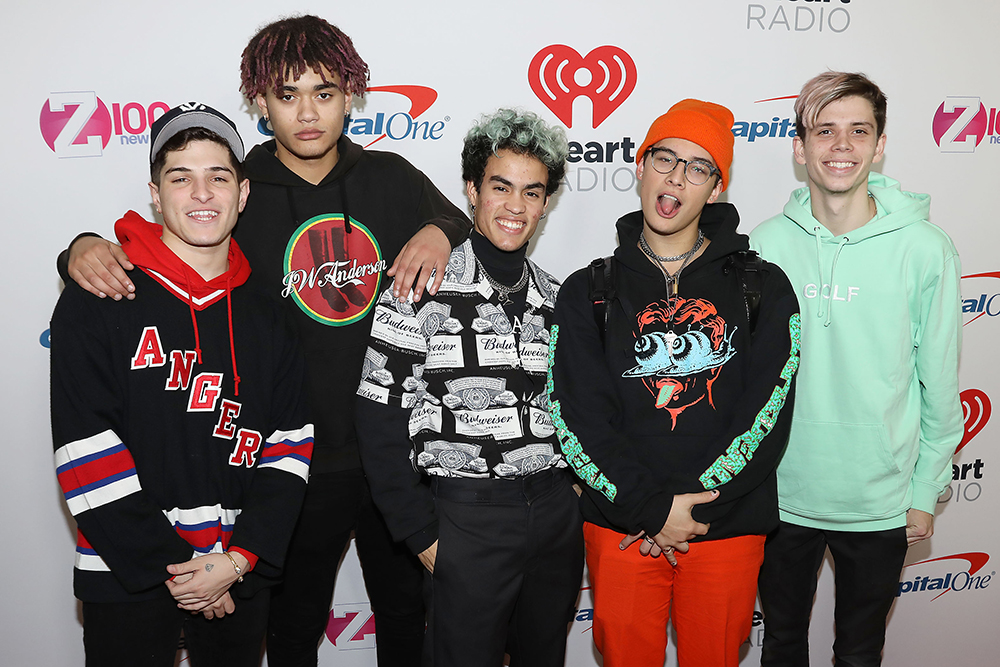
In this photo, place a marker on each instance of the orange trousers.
(710, 592)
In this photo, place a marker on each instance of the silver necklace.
(504, 291)
(672, 281)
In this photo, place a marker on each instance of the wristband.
(239, 570)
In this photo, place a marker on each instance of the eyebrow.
(538, 185)
(705, 160)
(854, 123)
(318, 87)
(188, 170)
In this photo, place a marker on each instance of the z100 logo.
(79, 124)
(351, 626)
(944, 581)
(966, 476)
(961, 124)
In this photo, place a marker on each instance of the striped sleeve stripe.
(207, 529)
(89, 561)
(95, 471)
(290, 451)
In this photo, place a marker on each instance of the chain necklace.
(673, 281)
(503, 291)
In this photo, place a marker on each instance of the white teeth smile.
(203, 216)
(841, 165)
(512, 225)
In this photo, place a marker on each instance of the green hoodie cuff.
(924, 496)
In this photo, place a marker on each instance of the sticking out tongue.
(667, 205)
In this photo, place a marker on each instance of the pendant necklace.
(504, 291)
(673, 281)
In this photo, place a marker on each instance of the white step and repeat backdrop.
(87, 79)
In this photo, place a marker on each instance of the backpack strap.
(749, 267)
(602, 290)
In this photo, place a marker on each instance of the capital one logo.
(977, 409)
(965, 575)
(558, 74)
(960, 124)
(370, 128)
(351, 626)
(980, 296)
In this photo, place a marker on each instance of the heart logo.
(558, 74)
(977, 408)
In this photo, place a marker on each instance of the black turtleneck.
(505, 267)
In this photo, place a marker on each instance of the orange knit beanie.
(706, 124)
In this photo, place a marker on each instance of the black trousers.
(508, 570)
(335, 505)
(146, 634)
(866, 577)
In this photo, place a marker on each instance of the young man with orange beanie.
(671, 389)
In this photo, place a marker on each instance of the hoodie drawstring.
(347, 210)
(232, 344)
(194, 320)
(828, 311)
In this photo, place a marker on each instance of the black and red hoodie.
(179, 423)
(681, 397)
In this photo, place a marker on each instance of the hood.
(143, 243)
(718, 221)
(263, 166)
(896, 209)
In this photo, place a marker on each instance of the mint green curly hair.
(522, 132)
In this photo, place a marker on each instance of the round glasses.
(697, 172)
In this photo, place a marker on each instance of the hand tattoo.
(209, 566)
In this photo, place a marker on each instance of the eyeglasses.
(697, 172)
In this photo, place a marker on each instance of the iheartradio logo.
(976, 408)
(558, 74)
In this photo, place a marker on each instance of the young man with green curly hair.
(456, 392)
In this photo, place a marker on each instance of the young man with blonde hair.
(877, 415)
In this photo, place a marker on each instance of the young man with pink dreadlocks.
(322, 219)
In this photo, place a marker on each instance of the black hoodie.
(725, 395)
(328, 273)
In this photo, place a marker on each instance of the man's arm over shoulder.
(97, 265)
(433, 216)
(95, 468)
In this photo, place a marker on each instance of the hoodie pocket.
(840, 472)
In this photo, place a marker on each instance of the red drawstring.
(232, 345)
(194, 320)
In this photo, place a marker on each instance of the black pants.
(146, 634)
(508, 570)
(336, 504)
(866, 577)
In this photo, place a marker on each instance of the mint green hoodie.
(877, 413)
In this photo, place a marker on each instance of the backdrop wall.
(86, 79)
